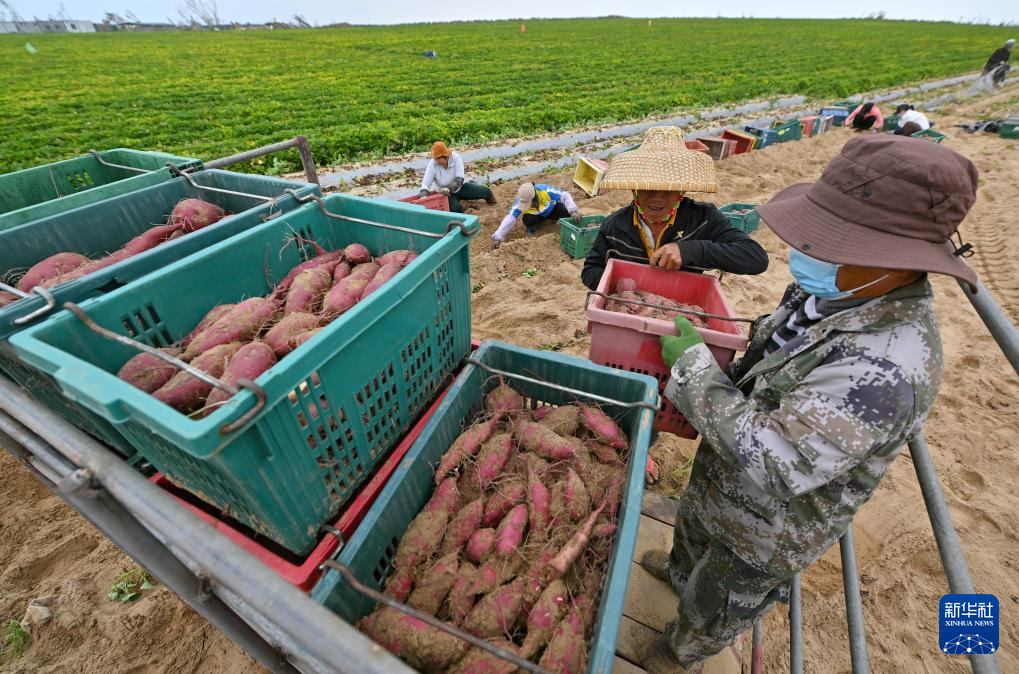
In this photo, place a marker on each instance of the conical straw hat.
(662, 162)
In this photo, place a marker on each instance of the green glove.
(674, 347)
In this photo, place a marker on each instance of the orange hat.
(439, 149)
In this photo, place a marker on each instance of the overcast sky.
(408, 11)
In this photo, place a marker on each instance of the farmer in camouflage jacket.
(798, 436)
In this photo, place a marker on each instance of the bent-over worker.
(797, 436)
(999, 58)
(445, 173)
(910, 115)
(535, 205)
(866, 116)
(662, 226)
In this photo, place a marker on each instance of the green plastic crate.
(334, 407)
(891, 123)
(96, 229)
(930, 135)
(1009, 127)
(370, 551)
(42, 191)
(576, 240)
(747, 222)
(787, 131)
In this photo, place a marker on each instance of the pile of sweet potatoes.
(189, 215)
(243, 340)
(626, 289)
(513, 545)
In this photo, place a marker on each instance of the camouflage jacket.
(800, 442)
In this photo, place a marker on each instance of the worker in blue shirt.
(536, 203)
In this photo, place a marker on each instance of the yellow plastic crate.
(589, 174)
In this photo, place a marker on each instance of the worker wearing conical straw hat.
(798, 434)
(662, 226)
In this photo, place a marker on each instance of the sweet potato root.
(240, 324)
(185, 392)
(422, 646)
(307, 290)
(498, 610)
(505, 496)
(357, 253)
(281, 336)
(250, 361)
(563, 420)
(431, 588)
(463, 526)
(148, 372)
(545, 442)
(50, 268)
(603, 427)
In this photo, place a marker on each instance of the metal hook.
(45, 294)
(503, 654)
(656, 406)
(242, 421)
(191, 181)
(99, 158)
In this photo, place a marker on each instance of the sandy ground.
(47, 551)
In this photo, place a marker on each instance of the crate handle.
(453, 224)
(226, 429)
(621, 255)
(187, 176)
(654, 407)
(21, 295)
(99, 158)
(432, 620)
(692, 312)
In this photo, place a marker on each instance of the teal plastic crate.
(930, 135)
(370, 551)
(838, 113)
(891, 122)
(1009, 127)
(97, 229)
(334, 407)
(787, 131)
(42, 191)
(577, 240)
(765, 137)
(747, 222)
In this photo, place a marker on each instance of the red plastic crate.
(719, 148)
(696, 146)
(743, 142)
(437, 201)
(304, 573)
(629, 342)
(807, 125)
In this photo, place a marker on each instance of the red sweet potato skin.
(341, 271)
(280, 337)
(446, 497)
(185, 392)
(505, 496)
(497, 612)
(480, 545)
(50, 268)
(250, 361)
(210, 317)
(566, 651)
(385, 273)
(510, 533)
(240, 324)
(400, 257)
(306, 292)
(357, 253)
(343, 296)
(327, 261)
(194, 214)
(431, 588)
(603, 427)
(463, 526)
(537, 438)
(147, 372)
(421, 539)
(478, 661)
(422, 646)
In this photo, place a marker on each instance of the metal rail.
(854, 606)
(757, 645)
(304, 627)
(795, 627)
(996, 320)
(300, 142)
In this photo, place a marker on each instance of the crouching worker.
(537, 204)
(865, 117)
(445, 173)
(662, 226)
(798, 435)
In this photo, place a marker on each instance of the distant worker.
(911, 117)
(662, 226)
(537, 204)
(445, 173)
(997, 66)
(799, 433)
(865, 117)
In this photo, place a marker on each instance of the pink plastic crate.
(696, 146)
(718, 147)
(629, 342)
(437, 201)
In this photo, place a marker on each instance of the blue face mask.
(817, 277)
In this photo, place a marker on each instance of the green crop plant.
(13, 641)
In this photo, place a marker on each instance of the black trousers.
(532, 221)
(862, 123)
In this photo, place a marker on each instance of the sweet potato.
(194, 214)
(563, 420)
(240, 324)
(185, 392)
(494, 572)
(147, 372)
(510, 533)
(603, 427)
(604, 453)
(211, 316)
(385, 273)
(357, 253)
(422, 646)
(478, 661)
(400, 584)
(497, 612)
(539, 413)
(307, 290)
(280, 337)
(567, 651)
(626, 284)
(480, 545)
(400, 257)
(578, 501)
(421, 539)
(503, 399)
(303, 337)
(545, 442)
(463, 525)
(538, 502)
(431, 588)
(446, 497)
(366, 271)
(505, 496)
(492, 459)
(147, 240)
(50, 268)
(8, 298)
(341, 271)
(343, 296)
(465, 446)
(327, 261)
(460, 600)
(544, 617)
(572, 550)
(250, 361)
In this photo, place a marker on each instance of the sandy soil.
(46, 550)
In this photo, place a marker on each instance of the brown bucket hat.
(885, 201)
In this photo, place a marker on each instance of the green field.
(365, 92)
